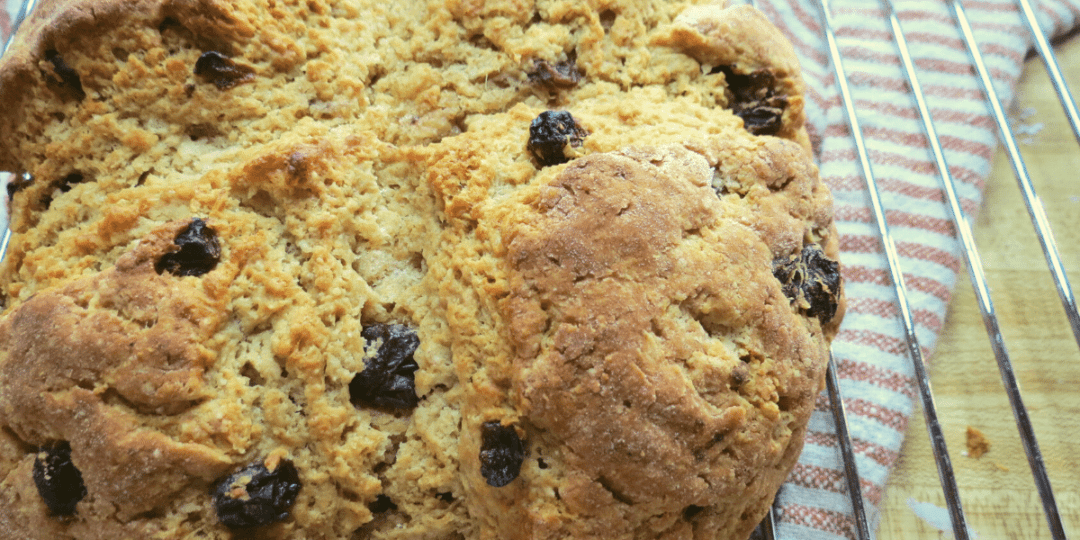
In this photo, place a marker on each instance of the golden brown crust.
(129, 336)
(131, 328)
(742, 37)
(617, 313)
(61, 25)
(621, 302)
(21, 508)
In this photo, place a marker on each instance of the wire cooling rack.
(957, 525)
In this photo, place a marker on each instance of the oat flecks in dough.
(232, 203)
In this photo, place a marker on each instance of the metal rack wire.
(973, 261)
(971, 256)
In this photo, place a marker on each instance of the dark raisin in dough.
(812, 277)
(560, 75)
(69, 82)
(222, 70)
(62, 185)
(754, 99)
(381, 504)
(691, 511)
(68, 182)
(501, 453)
(387, 380)
(255, 495)
(549, 134)
(58, 481)
(199, 251)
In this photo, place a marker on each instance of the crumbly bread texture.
(447, 269)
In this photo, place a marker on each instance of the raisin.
(387, 381)
(690, 512)
(199, 251)
(58, 481)
(18, 183)
(381, 504)
(255, 495)
(556, 76)
(69, 181)
(739, 375)
(69, 79)
(202, 131)
(810, 280)
(222, 70)
(501, 453)
(62, 185)
(755, 100)
(550, 133)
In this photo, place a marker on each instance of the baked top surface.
(619, 298)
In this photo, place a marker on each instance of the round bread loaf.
(447, 269)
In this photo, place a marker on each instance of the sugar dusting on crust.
(626, 309)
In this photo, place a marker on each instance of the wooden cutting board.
(999, 497)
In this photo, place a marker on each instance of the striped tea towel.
(872, 360)
(11, 8)
(871, 354)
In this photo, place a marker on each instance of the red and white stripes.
(5, 25)
(872, 357)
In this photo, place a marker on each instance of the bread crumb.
(274, 459)
(977, 444)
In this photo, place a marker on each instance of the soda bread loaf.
(304, 269)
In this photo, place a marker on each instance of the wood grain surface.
(998, 492)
